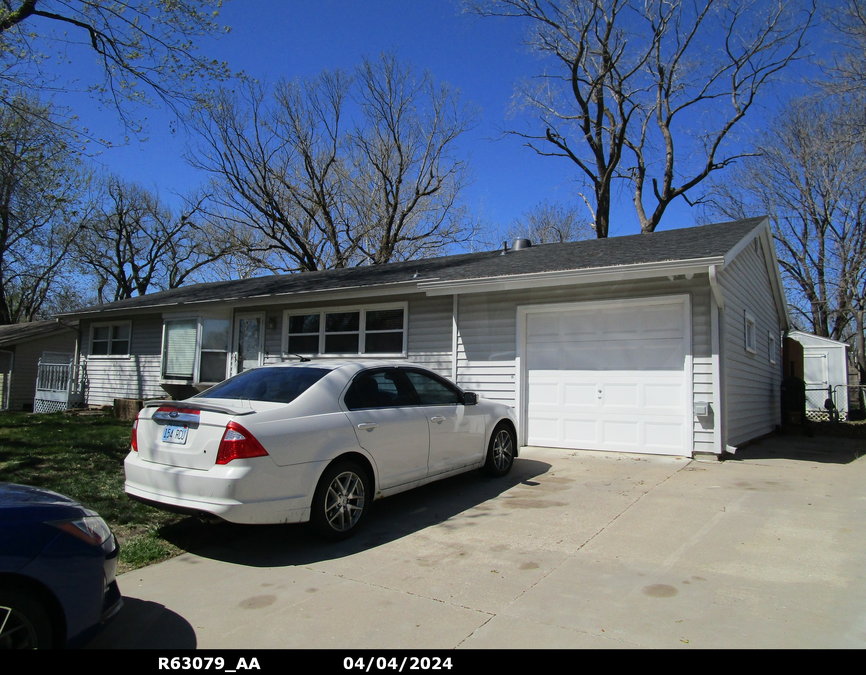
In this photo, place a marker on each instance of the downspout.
(716, 315)
(455, 306)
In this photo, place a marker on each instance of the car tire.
(341, 500)
(500, 451)
(24, 623)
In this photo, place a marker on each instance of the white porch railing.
(59, 386)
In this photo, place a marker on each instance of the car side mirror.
(470, 398)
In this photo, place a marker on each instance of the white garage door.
(609, 376)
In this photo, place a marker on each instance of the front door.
(249, 340)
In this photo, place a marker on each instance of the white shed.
(825, 370)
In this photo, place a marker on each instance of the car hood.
(21, 504)
(13, 495)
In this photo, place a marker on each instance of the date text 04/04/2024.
(409, 663)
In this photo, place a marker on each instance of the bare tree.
(132, 244)
(549, 223)
(337, 171)
(40, 187)
(145, 47)
(661, 81)
(406, 176)
(847, 69)
(809, 178)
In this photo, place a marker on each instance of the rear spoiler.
(199, 405)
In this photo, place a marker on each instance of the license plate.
(173, 434)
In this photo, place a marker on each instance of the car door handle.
(367, 425)
(437, 418)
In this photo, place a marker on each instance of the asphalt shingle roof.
(19, 332)
(693, 243)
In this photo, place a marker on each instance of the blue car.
(57, 570)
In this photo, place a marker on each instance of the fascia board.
(570, 277)
(811, 336)
(776, 274)
(745, 241)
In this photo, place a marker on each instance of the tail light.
(135, 435)
(238, 443)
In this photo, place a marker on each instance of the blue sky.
(483, 58)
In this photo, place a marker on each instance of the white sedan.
(315, 441)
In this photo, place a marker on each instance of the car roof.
(334, 364)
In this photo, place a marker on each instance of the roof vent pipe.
(520, 244)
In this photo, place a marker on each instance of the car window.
(433, 391)
(276, 385)
(386, 388)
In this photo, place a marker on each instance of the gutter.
(570, 277)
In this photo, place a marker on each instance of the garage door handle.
(367, 425)
(437, 418)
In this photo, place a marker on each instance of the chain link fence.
(839, 403)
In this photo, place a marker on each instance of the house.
(22, 345)
(664, 343)
(825, 371)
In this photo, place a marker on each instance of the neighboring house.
(21, 347)
(665, 343)
(825, 371)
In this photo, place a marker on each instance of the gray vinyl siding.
(751, 384)
(135, 375)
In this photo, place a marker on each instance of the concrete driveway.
(571, 550)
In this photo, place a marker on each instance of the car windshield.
(276, 385)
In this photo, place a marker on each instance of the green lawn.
(82, 456)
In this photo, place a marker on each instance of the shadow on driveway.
(149, 625)
(388, 519)
(824, 449)
(141, 624)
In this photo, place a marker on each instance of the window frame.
(750, 337)
(362, 332)
(111, 325)
(771, 347)
(199, 319)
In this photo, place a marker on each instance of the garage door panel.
(580, 431)
(621, 395)
(620, 432)
(659, 397)
(667, 436)
(618, 384)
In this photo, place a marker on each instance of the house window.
(195, 349)
(377, 330)
(110, 339)
(342, 333)
(303, 333)
(750, 334)
(771, 343)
